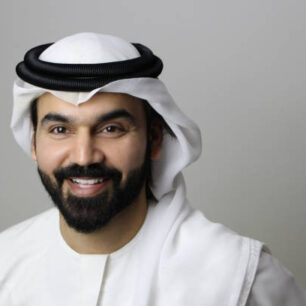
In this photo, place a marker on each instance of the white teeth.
(87, 181)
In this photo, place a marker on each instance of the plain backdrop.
(236, 67)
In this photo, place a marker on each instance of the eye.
(112, 130)
(58, 130)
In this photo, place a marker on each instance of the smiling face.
(92, 158)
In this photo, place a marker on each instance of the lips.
(86, 187)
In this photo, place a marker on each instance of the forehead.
(99, 104)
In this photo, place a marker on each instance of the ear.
(156, 139)
(33, 147)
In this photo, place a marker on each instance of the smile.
(86, 187)
(87, 181)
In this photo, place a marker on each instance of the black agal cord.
(85, 77)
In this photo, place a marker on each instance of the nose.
(84, 150)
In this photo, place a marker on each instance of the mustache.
(95, 170)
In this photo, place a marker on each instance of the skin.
(118, 142)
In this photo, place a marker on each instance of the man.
(110, 145)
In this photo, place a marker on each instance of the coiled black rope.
(85, 77)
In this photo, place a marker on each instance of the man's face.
(92, 158)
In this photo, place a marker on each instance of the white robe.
(37, 268)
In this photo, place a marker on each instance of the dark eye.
(59, 130)
(111, 129)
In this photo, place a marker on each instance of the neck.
(114, 235)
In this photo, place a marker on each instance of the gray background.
(236, 67)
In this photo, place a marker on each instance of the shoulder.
(197, 232)
(23, 248)
(209, 256)
(24, 227)
(26, 235)
(274, 284)
(211, 245)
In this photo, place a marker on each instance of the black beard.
(88, 214)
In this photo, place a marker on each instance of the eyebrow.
(55, 117)
(120, 113)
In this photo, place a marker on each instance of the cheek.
(126, 156)
(50, 156)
